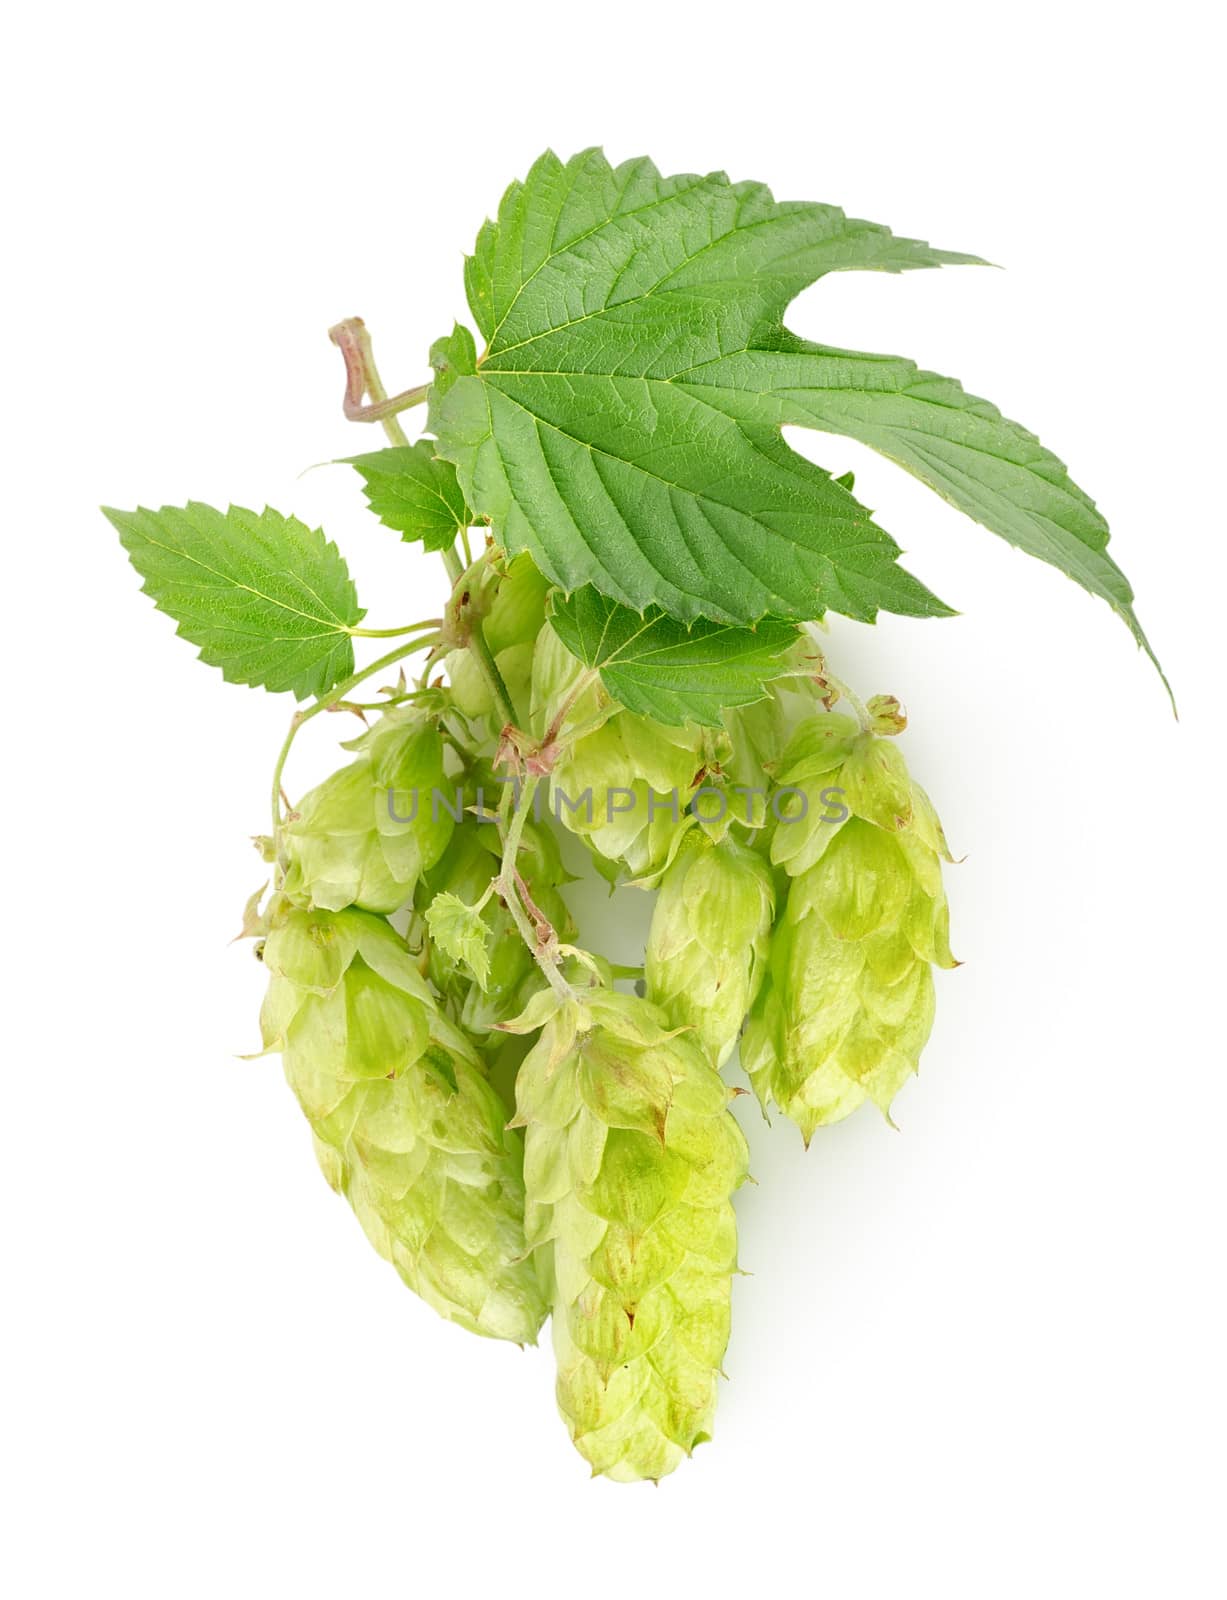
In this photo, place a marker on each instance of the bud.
(631, 1159)
(886, 715)
(847, 1004)
(406, 1125)
(708, 940)
(511, 613)
(364, 836)
(469, 688)
(517, 614)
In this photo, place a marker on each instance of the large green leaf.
(623, 422)
(267, 599)
(986, 465)
(596, 291)
(410, 490)
(663, 668)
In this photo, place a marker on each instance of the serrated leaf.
(451, 357)
(623, 423)
(459, 932)
(265, 598)
(961, 446)
(662, 668)
(597, 290)
(415, 493)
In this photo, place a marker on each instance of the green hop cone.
(709, 937)
(622, 786)
(514, 614)
(631, 1159)
(757, 737)
(470, 693)
(364, 836)
(847, 1004)
(406, 1125)
(517, 614)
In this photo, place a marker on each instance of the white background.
(982, 1356)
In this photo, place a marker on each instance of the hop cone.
(514, 618)
(623, 786)
(518, 611)
(406, 1125)
(708, 940)
(847, 1004)
(364, 836)
(630, 1162)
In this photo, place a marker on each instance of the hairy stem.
(489, 667)
(455, 568)
(326, 702)
(586, 680)
(362, 379)
(388, 704)
(859, 708)
(603, 716)
(545, 952)
(395, 633)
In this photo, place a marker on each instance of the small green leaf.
(453, 356)
(415, 493)
(459, 932)
(267, 600)
(661, 668)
